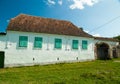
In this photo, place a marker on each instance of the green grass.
(95, 72)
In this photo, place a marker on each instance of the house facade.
(34, 40)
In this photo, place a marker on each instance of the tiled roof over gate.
(105, 39)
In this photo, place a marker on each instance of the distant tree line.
(117, 37)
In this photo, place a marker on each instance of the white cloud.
(79, 4)
(51, 2)
(76, 4)
(60, 2)
(7, 20)
(97, 35)
(86, 31)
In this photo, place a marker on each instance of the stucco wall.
(110, 43)
(2, 42)
(16, 56)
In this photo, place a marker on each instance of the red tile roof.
(105, 39)
(27, 23)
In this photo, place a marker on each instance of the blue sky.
(89, 14)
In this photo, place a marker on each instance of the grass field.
(95, 72)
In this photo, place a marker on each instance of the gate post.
(110, 52)
(118, 51)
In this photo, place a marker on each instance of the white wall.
(16, 56)
(110, 43)
(2, 42)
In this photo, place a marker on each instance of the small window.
(58, 43)
(38, 42)
(75, 44)
(84, 44)
(23, 41)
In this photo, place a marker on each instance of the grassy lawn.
(95, 72)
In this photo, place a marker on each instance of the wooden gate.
(102, 51)
(2, 59)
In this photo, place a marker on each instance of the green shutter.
(58, 43)
(23, 41)
(84, 44)
(75, 44)
(38, 42)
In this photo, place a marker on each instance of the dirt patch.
(117, 61)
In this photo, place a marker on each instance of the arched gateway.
(105, 48)
(102, 51)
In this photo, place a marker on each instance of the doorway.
(2, 57)
(102, 51)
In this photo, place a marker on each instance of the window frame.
(57, 42)
(39, 39)
(84, 44)
(74, 43)
(21, 41)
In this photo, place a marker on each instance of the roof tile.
(27, 23)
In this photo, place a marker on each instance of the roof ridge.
(29, 23)
(105, 38)
(22, 14)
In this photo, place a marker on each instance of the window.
(58, 43)
(75, 44)
(84, 44)
(38, 42)
(23, 41)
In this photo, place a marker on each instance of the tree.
(118, 38)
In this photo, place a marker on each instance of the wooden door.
(2, 59)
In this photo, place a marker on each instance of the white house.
(31, 40)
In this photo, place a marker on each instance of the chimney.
(81, 28)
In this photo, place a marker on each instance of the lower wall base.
(45, 63)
